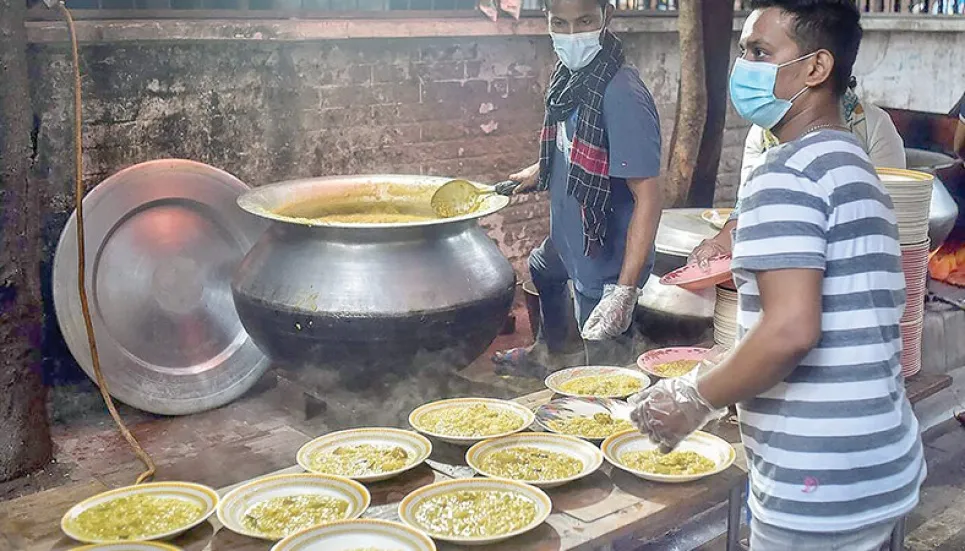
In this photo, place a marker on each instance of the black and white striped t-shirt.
(835, 446)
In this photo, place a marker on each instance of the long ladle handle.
(506, 188)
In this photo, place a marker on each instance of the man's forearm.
(762, 360)
(724, 236)
(640, 236)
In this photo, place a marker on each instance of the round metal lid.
(681, 230)
(163, 241)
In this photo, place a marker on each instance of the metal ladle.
(460, 197)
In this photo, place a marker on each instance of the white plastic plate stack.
(911, 195)
(725, 317)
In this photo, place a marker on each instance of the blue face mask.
(752, 91)
(576, 51)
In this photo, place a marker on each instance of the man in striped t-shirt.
(834, 449)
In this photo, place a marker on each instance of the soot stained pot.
(366, 298)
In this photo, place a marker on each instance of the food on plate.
(599, 425)
(675, 368)
(469, 421)
(136, 517)
(359, 460)
(673, 463)
(475, 513)
(281, 516)
(603, 385)
(530, 464)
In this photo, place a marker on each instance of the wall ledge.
(305, 30)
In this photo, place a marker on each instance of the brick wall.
(272, 111)
(268, 111)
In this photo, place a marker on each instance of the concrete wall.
(912, 70)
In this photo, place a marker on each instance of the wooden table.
(608, 510)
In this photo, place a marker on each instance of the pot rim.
(264, 201)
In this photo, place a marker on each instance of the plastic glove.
(613, 315)
(707, 250)
(670, 411)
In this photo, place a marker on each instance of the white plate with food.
(700, 455)
(366, 455)
(155, 511)
(544, 460)
(274, 507)
(475, 511)
(466, 421)
(597, 382)
(668, 363)
(592, 419)
(128, 546)
(358, 535)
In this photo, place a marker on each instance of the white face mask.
(577, 50)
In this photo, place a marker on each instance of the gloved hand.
(613, 315)
(670, 411)
(707, 250)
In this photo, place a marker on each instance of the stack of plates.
(911, 347)
(911, 194)
(725, 317)
(914, 262)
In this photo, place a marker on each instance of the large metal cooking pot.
(370, 297)
(943, 211)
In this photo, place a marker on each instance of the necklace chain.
(822, 127)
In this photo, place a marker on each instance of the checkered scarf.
(588, 180)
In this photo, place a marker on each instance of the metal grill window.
(138, 8)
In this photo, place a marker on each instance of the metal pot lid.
(927, 161)
(677, 301)
(163, 241)
(681, 230)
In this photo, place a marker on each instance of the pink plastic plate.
(692, 278)
(650, 360)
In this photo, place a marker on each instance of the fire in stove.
(947, 264)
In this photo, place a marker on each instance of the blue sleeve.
(633, 127)
(961, 111)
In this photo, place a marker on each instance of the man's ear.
(821, 69)
(607, 14)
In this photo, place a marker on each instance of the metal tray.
(163, 239)
(681, 230)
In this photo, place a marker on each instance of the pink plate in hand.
(692, 278)
(650, 361)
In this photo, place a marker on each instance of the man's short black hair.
(547, 4)
(833, 25)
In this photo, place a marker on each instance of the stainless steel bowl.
(943, 210)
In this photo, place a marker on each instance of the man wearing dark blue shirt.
(600, 162)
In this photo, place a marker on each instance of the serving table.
(610, 509)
